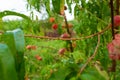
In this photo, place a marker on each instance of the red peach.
(65, 35)
(62, 51)
(54, 26)
(117, 20)
(38, 57)
(52, 19)
(28, 47)
(31, 47)
(117, 36)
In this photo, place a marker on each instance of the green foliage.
(91, 16)
(35, 3)
(56, 8)
(58, 5)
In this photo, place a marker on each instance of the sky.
(20, 6)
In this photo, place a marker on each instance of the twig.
(58, 38)
(112, 21)
(66, 23)
(90, 58)
(68, 31)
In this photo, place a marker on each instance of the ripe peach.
(117, 36)
(62, 51)
(114, 56)
(52, 19)
(31, 47)
(117, 20)
(38, 57)
(28, 47)
(54, 26)
(65, 35)
(114, 48)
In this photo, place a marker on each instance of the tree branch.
(90, 58)
(68, 31)
(53, 38)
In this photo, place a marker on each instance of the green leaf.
(56, 5)
(99, 26)
(7, 13)
(35, 4)
(76, 1)
(79, 56)
(69, 3)
(15, 40)
(8, 38)
(1, 24)
(92, 74)
(60, 74)
(102, 72)
(19, 40)
(7, 64)
(62, 5)
(88, 77)
(47, 4)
